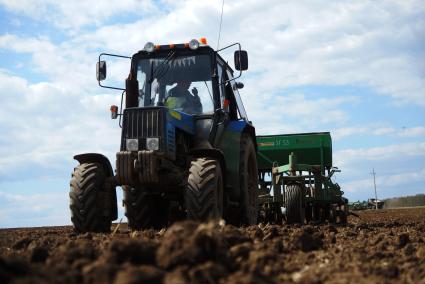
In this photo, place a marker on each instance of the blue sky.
(354, 68)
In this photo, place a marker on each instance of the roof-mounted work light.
(149, 47)
(193, 44)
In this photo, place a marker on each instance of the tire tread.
(86, 202)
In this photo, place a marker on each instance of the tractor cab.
(181, 88)
(189, 77)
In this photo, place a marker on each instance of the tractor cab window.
(182, 83)
(241, 108)
(221, 79)
(229, 91)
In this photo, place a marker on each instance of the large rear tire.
(143, 209)
(88, 198)
(248, 181)
(295, 204)
(204, 191)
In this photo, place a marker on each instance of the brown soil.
(385, 246)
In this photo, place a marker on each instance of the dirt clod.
(140, 274)
(307, 239)
(403, 239)
(21, 243)
(39, 254)
(192, 243)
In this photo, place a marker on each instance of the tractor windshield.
(178, 82)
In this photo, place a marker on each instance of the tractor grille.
(141, 123)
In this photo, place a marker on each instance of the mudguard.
(96, 158)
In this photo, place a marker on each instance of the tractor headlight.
(152, 144)
(193, 44)
(132, 144)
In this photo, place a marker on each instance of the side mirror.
(241, 60)
(101, 70)
(239, 85)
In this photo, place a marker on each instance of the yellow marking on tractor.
(265, 144)
(175, 114)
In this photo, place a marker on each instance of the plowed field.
(384, 246)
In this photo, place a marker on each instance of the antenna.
(221, 21)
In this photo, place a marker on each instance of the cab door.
(229, 130)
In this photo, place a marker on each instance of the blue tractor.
(187, 149)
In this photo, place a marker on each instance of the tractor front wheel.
(87, 199)
(204, 191)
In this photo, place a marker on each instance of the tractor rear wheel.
(294, 203)
(143, 209)
(204, 191)
(88, 199)
(248, 181)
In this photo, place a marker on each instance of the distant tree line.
(405, 201)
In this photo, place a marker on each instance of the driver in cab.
(180, 98)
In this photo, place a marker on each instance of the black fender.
(96, 158)
(211, 153)
(111, 183)
(250, 129)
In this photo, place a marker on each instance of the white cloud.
(291, 44)
(290, 113)
(384, 182)
(77, 13)
(344, 132)
(376, 130)
(51, 124)
(413, 131)
(354, 44)
(35, 209)
(347, 156)
(399, 169)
